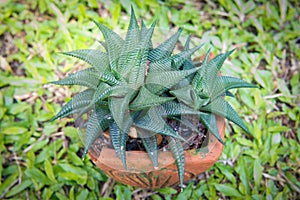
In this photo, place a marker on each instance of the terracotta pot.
(140, 171)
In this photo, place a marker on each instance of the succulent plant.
(132, 84)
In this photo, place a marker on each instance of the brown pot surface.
(141, 173)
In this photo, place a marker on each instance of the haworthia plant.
(133, 84)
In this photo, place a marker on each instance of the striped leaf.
(96, 58)
(224, 83)
(173, 62)
(119, 107)
(97, 123)
(114, 44)
(137, 73)
(209, 121)
(182, 57)
(206, 77)
(87, 77)
(165, 49)
(155, 123)
(173, 108)
(184, 95)
(178, 153)
(129, 49)
(188, 64)
(150, 144)
(166, 79)
(146, 99)
(118, 137)
(221, 107)
(77, 103)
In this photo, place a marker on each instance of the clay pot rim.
(132, 157)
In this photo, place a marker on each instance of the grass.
(41, 160)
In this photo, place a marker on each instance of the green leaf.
(119, 107)
(114, 44)
(257, 172)
(165, 49)
(76, 104)
(155, 123)
(130, 44)
(136, 76)
(119, 138)
(223, 108)
(209, 121)
(18, 188)
(166, 79)
(83, 194)
(37, 175)
(167, 191)
(173, 108)
(178, 154)
(228, 190)
(206, 77)
(188, 63)
(97, 123)
(96, 58)
(184, 95)
(49, 170)
(87, 77)
(146, 99)
(150, 144)
(8, 181)
(224, 83)
(180, 58)
(14, 130)
(174, 62)
(72, 173)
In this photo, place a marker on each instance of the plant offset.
(135, 85)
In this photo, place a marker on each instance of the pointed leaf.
(137, 73)
(155, 123)
(174, 62)
(173, 108)
(184, 56)
(184, 95)
(209, 121)
(166, 79)
(224, 83)
(131, 42)
(97, 123)
(78, 102)
(209, 73)
(150, 144)
(86, 77)
(119, 107)
(119, 138)
(165, 49)
(221, 107)
(146, 99)
(144, 32)
(178, 154)
(96, 58)
(114, 44)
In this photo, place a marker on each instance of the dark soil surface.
(195, 138)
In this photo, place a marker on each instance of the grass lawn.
(42, 160)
